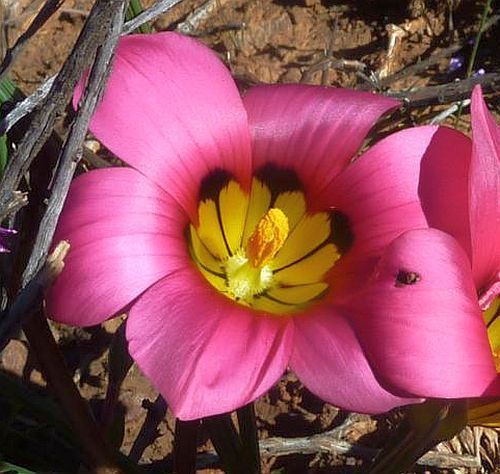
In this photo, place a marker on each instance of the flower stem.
(226, 442)
(249, 437)
(185, 446)
(59, 380)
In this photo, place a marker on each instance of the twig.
(28, 105)
(198, 16)
(328, 443)
(449, 111)
(54, 103)
(332, 63)
(447, 93)
(433, 59)
(72, 148)
(47, 10)
(75, 11)
(148, 15)
(416, 68)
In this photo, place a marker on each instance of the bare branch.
(450, 92)
(48, 9)
(72, 148)
(31, 102)
(199, 15)
(329, 443)
(148, 15)
(54, 103)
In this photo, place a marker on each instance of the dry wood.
(32, 101)
(72, 149)
(450, 92)
(48, 9)
(328, 443)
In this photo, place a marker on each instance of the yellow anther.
(267, 238)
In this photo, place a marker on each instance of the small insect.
(404, 278)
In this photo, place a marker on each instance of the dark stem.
(59, 380)
(185, 446)
(149, 429)
(119, 363)
(226, 442)
(249, 437)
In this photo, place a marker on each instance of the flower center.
(492, 319)
(268, 237)
(263, 249)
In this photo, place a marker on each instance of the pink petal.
(419, 322)
(379, 195)
(443, 184)
(328, 359)
(125, 233)
(172, 111)
(313, 130)
(484, 193)
(205, 354)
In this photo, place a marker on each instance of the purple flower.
(456, 62)
(4, 235)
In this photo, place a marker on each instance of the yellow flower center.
(263, 249)
(492, 319)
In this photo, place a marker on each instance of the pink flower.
(468, 207)
(242, 241)
(467, 204)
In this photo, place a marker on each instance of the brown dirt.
(261, 41)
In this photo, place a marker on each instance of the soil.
(265, 41)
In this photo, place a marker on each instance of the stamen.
(267, 238)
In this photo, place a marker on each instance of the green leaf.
(8, 90)
(8, 93)
(8, 468)
(4, 153)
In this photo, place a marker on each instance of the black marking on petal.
(278, 180)
(210, 188)
(494, 318)
(341, 231)
(219, 219)
(212, 184)
(405, 278)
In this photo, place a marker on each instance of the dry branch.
(73, 147)
(329, 443)
(54, 103)
(450, 92)
(48, 9)
(31, 102)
